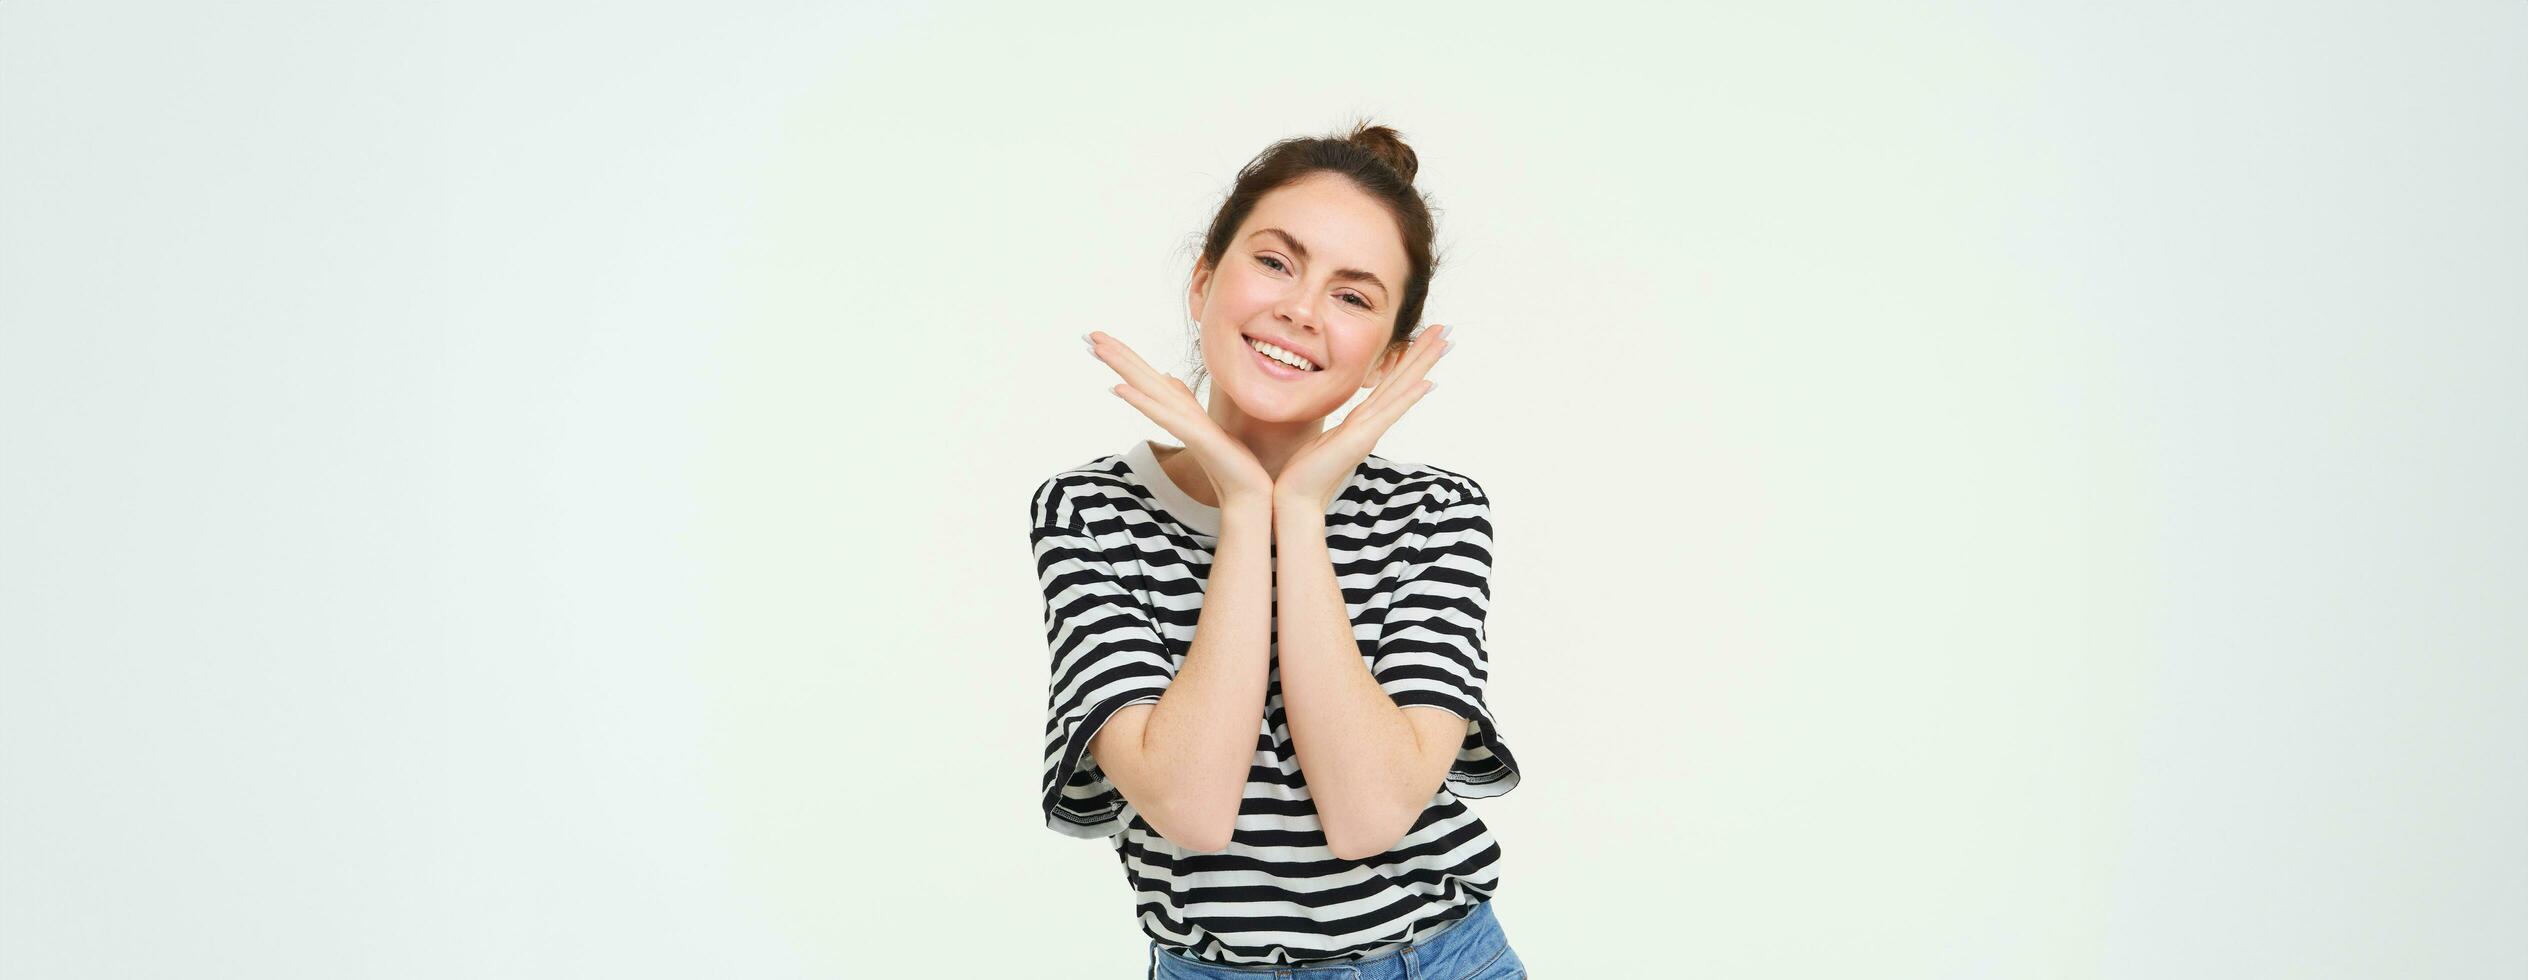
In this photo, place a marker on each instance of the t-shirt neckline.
(1143, 460)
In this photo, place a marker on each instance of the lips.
(1276, 369)
(1251, 339)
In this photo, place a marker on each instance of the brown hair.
(1376, 160)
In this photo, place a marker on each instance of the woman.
(1268, 642)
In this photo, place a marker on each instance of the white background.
(536, 490)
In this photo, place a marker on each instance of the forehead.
(1339, 223)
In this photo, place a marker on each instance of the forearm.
(1355, 745)
(1200, 737)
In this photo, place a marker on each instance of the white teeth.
(1279, 354)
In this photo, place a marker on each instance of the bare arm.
(1372, 767)
(1183, 760)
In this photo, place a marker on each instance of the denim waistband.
(1474, 933)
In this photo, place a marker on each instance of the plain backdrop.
(1982, 490)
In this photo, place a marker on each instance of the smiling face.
(1317, 269)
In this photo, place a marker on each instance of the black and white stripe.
(1123, 556)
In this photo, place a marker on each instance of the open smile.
(1273, 368)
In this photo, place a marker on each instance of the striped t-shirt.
(1123, 556)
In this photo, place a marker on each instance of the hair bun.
(1383, 143)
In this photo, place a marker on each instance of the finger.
(1396, 393)
(1152, 407)
(1163, 398)
(1167, 400)
(1369, 424)
(1426, 351)
(1120, 356)
(1376, 422)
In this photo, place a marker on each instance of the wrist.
(1256, 503)
(1294, 506)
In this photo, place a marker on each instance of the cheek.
(1364, 355)
(1241, 296)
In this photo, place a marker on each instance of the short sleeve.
(1432, 648)
(1106, 654)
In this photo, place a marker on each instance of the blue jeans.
(1471, 948)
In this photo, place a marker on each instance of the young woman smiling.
(1268, 644)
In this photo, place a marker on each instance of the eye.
(1276, 265)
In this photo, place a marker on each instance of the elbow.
(1353, 851)
(1206, 843)
(1351, 847)
(1206, 832)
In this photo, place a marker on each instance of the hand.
(1233, 471)
(1316, 473)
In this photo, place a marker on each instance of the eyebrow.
(1357, 275)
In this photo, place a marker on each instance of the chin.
(1275, 407)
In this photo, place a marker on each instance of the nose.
(1300, 309)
